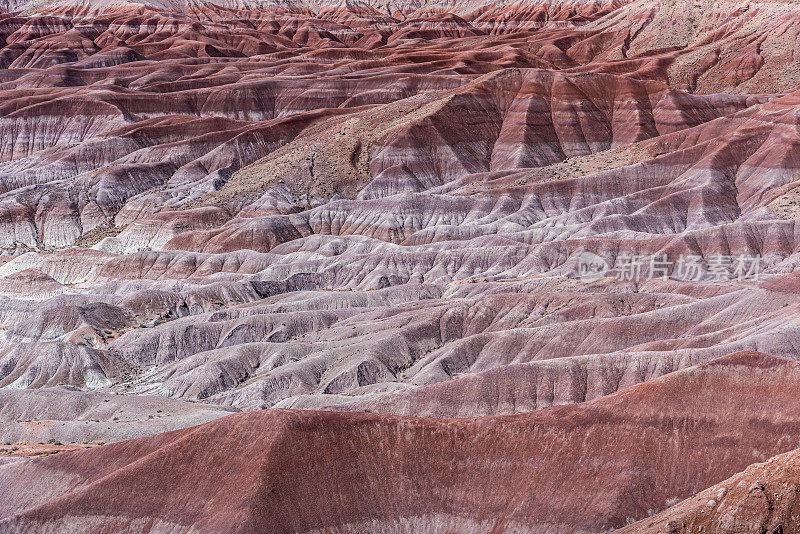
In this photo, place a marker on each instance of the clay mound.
(72, 416)
(252, 340)
(507, 390)
(629, 454)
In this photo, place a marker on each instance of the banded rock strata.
(630, 454)
(382, 208)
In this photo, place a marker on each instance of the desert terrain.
(400, 266)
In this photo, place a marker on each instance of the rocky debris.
(19, 450)
(762, 498)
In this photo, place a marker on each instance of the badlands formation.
(319, 266)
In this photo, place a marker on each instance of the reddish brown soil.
(588, 466)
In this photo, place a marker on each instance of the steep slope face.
(628, 454)
(762, 498)
(711, 46)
